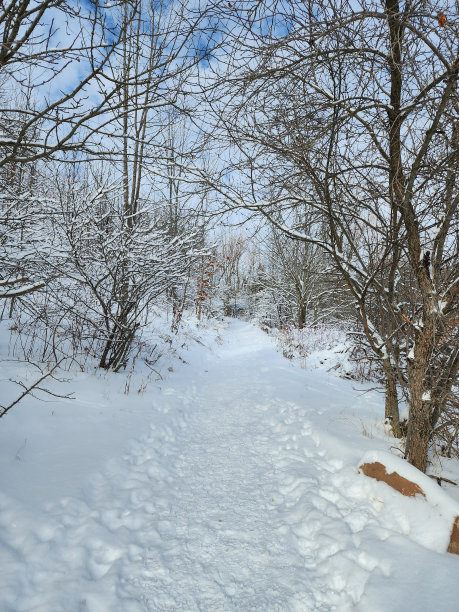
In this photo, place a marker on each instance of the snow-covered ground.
(231, 484)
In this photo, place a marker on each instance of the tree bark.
(391, 399)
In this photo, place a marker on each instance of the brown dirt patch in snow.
(402, 485)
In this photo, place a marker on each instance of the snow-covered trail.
(224, 540)
(242, 496)
(230, 530)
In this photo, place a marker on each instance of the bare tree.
(45, 112)
(86, 255)
(115, 270)
(303, 281)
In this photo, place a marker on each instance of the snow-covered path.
(224, 540)
(241, 496)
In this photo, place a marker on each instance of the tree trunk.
(420, 421)
(391, 401)
(419, 428)
(301, 316)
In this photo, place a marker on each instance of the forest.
(291, 162)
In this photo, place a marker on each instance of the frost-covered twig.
(34, 387)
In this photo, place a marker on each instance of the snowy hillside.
(230, 484)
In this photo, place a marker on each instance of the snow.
(10, 293)
(230, 484)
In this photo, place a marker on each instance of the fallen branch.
(440, 479)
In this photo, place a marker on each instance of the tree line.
(128, 127)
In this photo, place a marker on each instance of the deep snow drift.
(229, 485)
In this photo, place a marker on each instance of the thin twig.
(5, 409)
